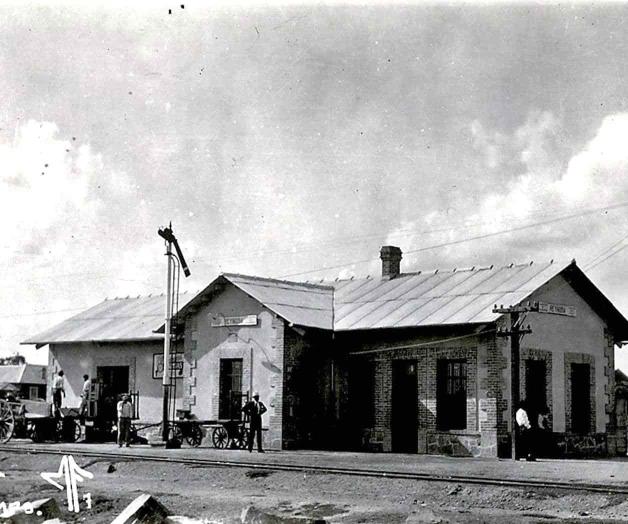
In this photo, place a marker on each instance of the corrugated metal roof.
(34, 374)
(112, 320)
(23, 374)
(304, 304)
(408, 300)
(436, 297)
(11, 374)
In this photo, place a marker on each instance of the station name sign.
(557, 309)
(176, 365)
(247, 320)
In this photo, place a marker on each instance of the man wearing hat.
(254, 409)
(125, 413)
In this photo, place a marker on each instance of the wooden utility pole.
(514, 333)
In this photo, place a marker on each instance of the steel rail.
(611, 489)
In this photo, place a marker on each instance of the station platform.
(603, 472)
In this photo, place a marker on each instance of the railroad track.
(611, 489)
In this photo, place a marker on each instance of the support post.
(514, 333)
(251, 376)
(514, 379)
(166, 377)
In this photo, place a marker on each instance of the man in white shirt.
(58, 392)
(85, 395)
(125, 413)
(524, 447)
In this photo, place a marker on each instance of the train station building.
(405, 362)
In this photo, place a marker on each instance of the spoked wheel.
(242, 439)
(194, 436)
(74, 434)
(220, 437)
(7, 422)
(59, 431)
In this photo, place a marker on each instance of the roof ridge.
(477, 267)
(276, 280)
(136, 297)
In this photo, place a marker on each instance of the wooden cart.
(231, 434)
(34, 420)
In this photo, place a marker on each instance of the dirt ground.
(220, 494)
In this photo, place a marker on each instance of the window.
(580, 398)
(33, 392)
(230, 400)
(451, 394)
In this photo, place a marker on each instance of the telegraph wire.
(605, 251)
(589, 268)
(592, 264)
(468, 239)
(404, 232)
(353, 239)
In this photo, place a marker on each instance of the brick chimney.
(391, 260)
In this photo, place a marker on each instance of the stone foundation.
(455, 445)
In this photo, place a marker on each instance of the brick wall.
(276, 400)
(493, 417)
(484, 391)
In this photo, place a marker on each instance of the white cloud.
(45, 183)
(599, 171)
(539, 185)
(58, 204)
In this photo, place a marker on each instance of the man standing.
(85, 395)
(255, 409)
(125, 412)
(525, 447)
(58, 392)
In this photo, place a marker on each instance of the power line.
(470, 239)
(345, 240)
(403, 232)
(607, 250)
(589, 268)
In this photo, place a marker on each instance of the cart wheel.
(194, 436)
(242, 439)
(220, 437)
(7, 422)
(58, 434)
(75, 434)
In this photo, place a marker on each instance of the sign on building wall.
(176, 365)
(248, 320)
(557, 309)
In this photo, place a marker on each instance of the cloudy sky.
(296, 140)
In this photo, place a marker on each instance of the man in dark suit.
(254, 409)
